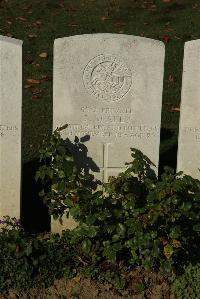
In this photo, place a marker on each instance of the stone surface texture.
(188, 159)
(10, 125)
(108, 87)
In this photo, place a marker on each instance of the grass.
(38, 23)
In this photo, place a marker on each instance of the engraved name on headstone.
(10, 125)
(109, 87)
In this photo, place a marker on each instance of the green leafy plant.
(187, 285)
(134, 220)
(32, 260)
(62, 176)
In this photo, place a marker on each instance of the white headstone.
(188, 159)
(10, 125)
(109, 86)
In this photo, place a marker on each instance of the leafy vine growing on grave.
(135, 220)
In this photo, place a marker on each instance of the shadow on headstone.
(168, 157)
(34, 214)
(151, 173)
(80, 153)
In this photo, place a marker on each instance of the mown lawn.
(38, 23)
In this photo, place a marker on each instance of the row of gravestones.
(106, 86)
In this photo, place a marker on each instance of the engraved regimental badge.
(107, 77)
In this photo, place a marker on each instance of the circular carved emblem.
(107, 77)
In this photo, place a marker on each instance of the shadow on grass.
(175, 7)
(168, 157)
(34, 213)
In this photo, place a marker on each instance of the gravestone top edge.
(192, 42)
(109, 35)
(10, 40)
(192, 46)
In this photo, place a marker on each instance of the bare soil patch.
(140, 285)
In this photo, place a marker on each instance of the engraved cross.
(105, 167)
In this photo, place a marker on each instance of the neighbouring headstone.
(10, 125)
(109, 87)
(188, 159)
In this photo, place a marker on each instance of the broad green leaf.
(86, 246)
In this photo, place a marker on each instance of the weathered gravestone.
(188, 159)
(10, 125)
(109, 87)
